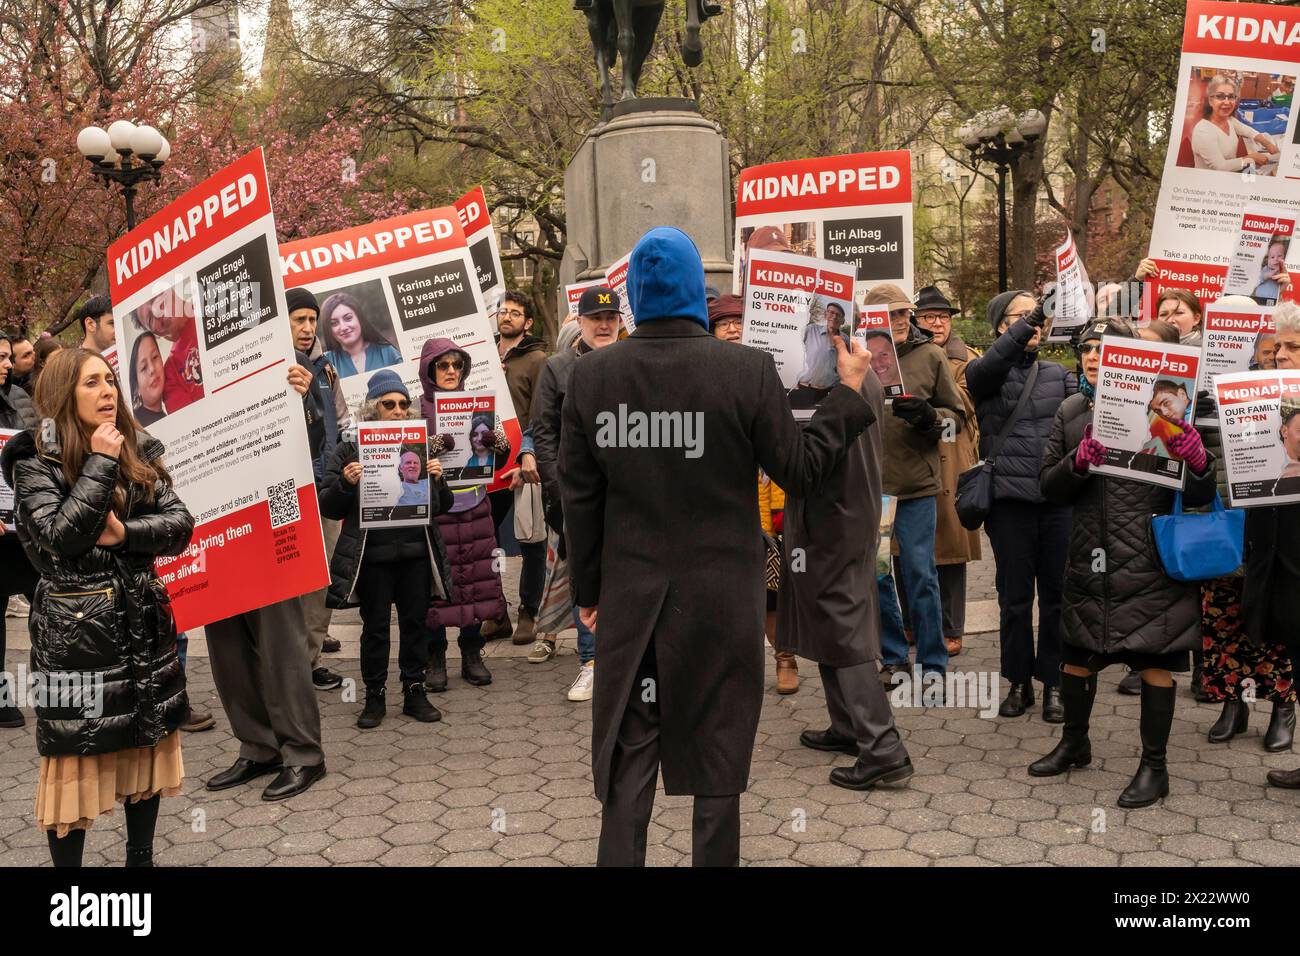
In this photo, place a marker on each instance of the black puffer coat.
(99, 611)
(16, 573)
(16, 408)
(1132, 605)
(339, 501)
(996, 381)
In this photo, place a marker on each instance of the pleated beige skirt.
(74, 790)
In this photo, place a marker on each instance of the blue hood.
(665, 278)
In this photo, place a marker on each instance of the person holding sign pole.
(1120, 606)
(378, 569)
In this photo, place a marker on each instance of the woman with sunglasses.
(378, 568)
(469, 531)
(1215, 137)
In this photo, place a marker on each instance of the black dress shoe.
(1281, 728)
(865, 776)
(331, 645)
(243, 771)
(1053, 709)
(293, 781)
(825, 740)
(1131, 683)
(1019, 699)
(1287, 779)
(1233, 720)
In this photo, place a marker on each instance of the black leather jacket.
(99, 613)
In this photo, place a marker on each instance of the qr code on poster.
(283, 499)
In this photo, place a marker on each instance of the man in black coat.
(662, 436)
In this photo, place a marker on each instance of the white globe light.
(1032, 124)
(164, 151)
(968, 136)
(146, 141)
(111, 158)
(93, 141)
(119, 133)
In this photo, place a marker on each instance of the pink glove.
(1189, 448)
(1090, 452)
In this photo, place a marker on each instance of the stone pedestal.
(654, 162)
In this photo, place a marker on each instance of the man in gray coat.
(828, 609)
(662, 435)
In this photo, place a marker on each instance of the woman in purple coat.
(468, 532)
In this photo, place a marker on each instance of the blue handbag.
(1199, 546)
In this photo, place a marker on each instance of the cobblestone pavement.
(505, 779)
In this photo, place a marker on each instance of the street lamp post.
(1001, 138)
(110, 155)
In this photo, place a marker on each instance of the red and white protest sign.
(616, 279)
(1146, 396)
(1071, 308)
(385, 289)
(1228, 145)
(573, 293)
(1259, 415)
(855, 209)
(476, 221)
(205, 347)
(794, 307)
(1233, 339)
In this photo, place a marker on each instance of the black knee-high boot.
(141, 818)
(1074, 748)
(66, 852)
(1151, 782)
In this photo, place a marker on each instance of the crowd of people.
(786, 515)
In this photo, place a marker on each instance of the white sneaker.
(582, 685)
(18, 606)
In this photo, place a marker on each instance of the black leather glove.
(1205, 405)
(1037, 318)
(917, 412)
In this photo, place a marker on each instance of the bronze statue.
(626, 29)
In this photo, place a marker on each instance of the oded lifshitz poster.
(795, 306)
(854, 209)
(394, 487)
(205, 349)
(1233, 140)
(1260, 425)
(1146, 395)
(872, 328)
(476, 221)
(385, 289)
(6, 493)
(1233, 338)
(469, 419)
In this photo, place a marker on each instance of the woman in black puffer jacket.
(1028, 534)
(93, 512)
(1120, 606)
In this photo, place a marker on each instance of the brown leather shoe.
(526, 629)
(1288, 779)
(497, 630)
(954, 645)
(787, 673)
(197, 720)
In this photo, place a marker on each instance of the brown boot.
(954, 645)
(525, 630)
(197, 720)
(787, 673)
